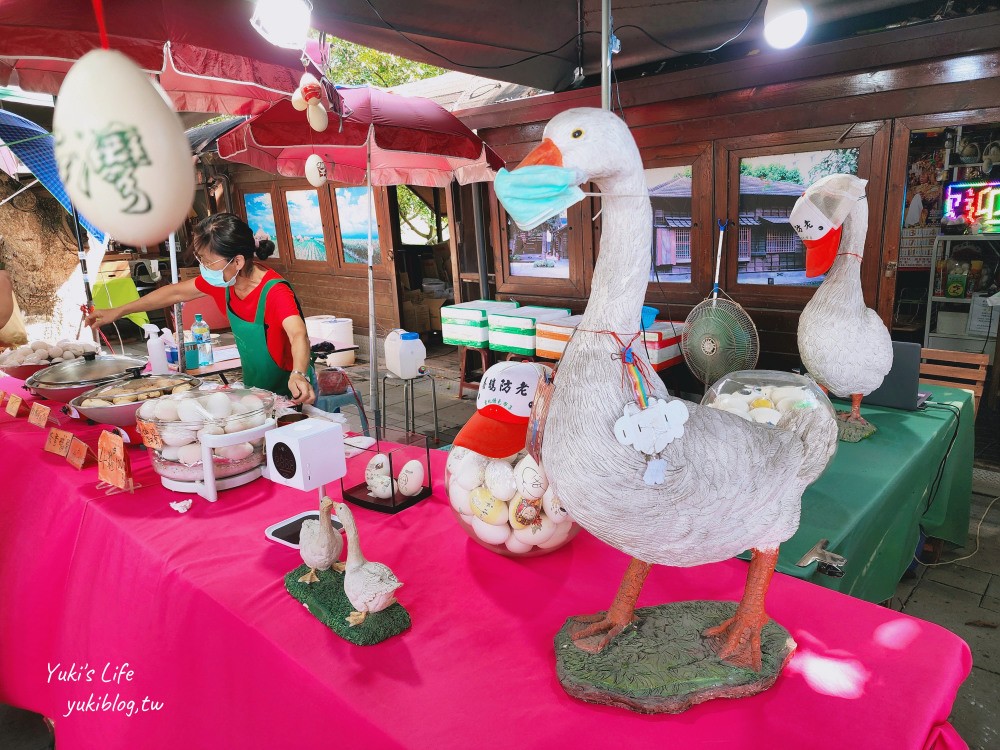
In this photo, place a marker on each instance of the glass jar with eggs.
(766, 396)
(396, 471)
(174, 426)
(506, 504)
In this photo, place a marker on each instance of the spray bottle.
(157, 350)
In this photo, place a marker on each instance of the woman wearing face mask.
(262, 309)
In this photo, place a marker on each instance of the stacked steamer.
(551, 336)
(663, 343)
(514, 331)
(30, 358)
(467, 324)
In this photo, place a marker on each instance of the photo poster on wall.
(670, 197)
(260, 217)
(353, 207)
(305, 222)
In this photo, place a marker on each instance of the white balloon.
(121, 150)
(316, 170)
(318, 117)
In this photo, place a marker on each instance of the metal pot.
(124, 415)
(67, 380)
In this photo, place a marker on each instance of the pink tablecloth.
(195, 605)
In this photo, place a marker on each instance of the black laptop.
(901, 387)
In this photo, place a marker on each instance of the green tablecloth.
(875, 496)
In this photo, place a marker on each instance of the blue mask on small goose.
(533, 194)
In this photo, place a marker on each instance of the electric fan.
(719, 337)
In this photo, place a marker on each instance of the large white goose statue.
(844, 345)
(730, 485)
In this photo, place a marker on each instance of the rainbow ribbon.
(635, 377)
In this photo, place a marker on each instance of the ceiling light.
(785, 23)
(284, 23)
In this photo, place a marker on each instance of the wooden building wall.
(867, 92)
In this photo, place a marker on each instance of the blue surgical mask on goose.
(533, 194)
(215, 276)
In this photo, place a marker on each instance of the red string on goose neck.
(860, 258)
(101, 27)
(638, 362)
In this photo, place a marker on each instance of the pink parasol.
(411, 141)
(206, 61)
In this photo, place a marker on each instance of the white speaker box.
(306, 454)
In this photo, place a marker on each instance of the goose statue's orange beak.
(821, 252)
(546, 152)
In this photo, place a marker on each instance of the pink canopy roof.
(207, 57)
(413, 141)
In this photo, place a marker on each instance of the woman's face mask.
(533, 194)
(215, 276)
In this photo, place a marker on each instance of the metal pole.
(82, 255)
(178, 307)
(372, 332)
(477, 217)
(606, 54)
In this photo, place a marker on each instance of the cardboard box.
(434, 305)
(183, 274)
(416, 317)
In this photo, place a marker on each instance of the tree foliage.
(355, 65)
(416, 214)
(839, 161)
(772, 172)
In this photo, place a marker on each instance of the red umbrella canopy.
(412, 141)
(207, 59)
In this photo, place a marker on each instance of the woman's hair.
(228, 236)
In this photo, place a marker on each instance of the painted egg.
(523, 512)
(189, 410)
(489, 533)
(487, 507)
(516, 546)
(165, 410)
(121, 150)
(531, 483)
(218, 405)
(460, 497)
(316, 170)
(189, 454)
(558, 537)
(318, 118)
(148, 410)
(234, 452)
(471, 471)
(169, 453)
(455, 455)
(537, 533)
(499, 478)
(377, 467)
(411, 478)
(176, 436)
(553, 507)
(381, 487)
(765, 416)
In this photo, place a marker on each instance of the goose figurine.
(844, 345)
(370, 586)
(320, 544)
(726, 484)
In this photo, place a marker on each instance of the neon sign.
(974, 201)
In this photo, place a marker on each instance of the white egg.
(558, 537)
(461, 499)
(210, 429)
(789, 391)
(411, 478)
(218, 405)
(254, 402)
(148, 410)
(531, 481)
(176, 436)
(318, 118)
(471, 471)
(516, 546)
(537, 533)
(455, 456)
(553, 507)
(236, 425)
(791, 403)
(189, 454)
(189, 410)
(122, 152)
(316, 170)
(298, 101)
(499, 477)
(381, 487)
(763, 415)
(378, 466)
(488, 533)
(166, 410)
(235, 452)
(169, 452)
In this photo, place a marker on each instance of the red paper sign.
(150, 433)
(13, 405)
(39, 415)
(112, 461)
(77, 454)
(58, 441)
(3, 395)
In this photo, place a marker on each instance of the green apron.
(259, 368)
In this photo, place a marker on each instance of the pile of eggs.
(506, 504)
(765, 396)
(43, 353)
(381, 485)
(184, 419)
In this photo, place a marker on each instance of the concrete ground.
(962, 595)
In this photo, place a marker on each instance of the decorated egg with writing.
(531, 482)
(377, 467)
(488, 508)
(552, 507)
(523, 511)
(471, 471)
(411, 478)
(316, 170)
(537, 533)
(121, 150)
(455, 455)
(381, 487)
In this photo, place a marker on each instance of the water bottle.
(203, 338)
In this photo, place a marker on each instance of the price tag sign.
(150, 433)
(3, 395)
(77, 454)
(13, 405)
(112, 461)
(39, 415)
(58, 441)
